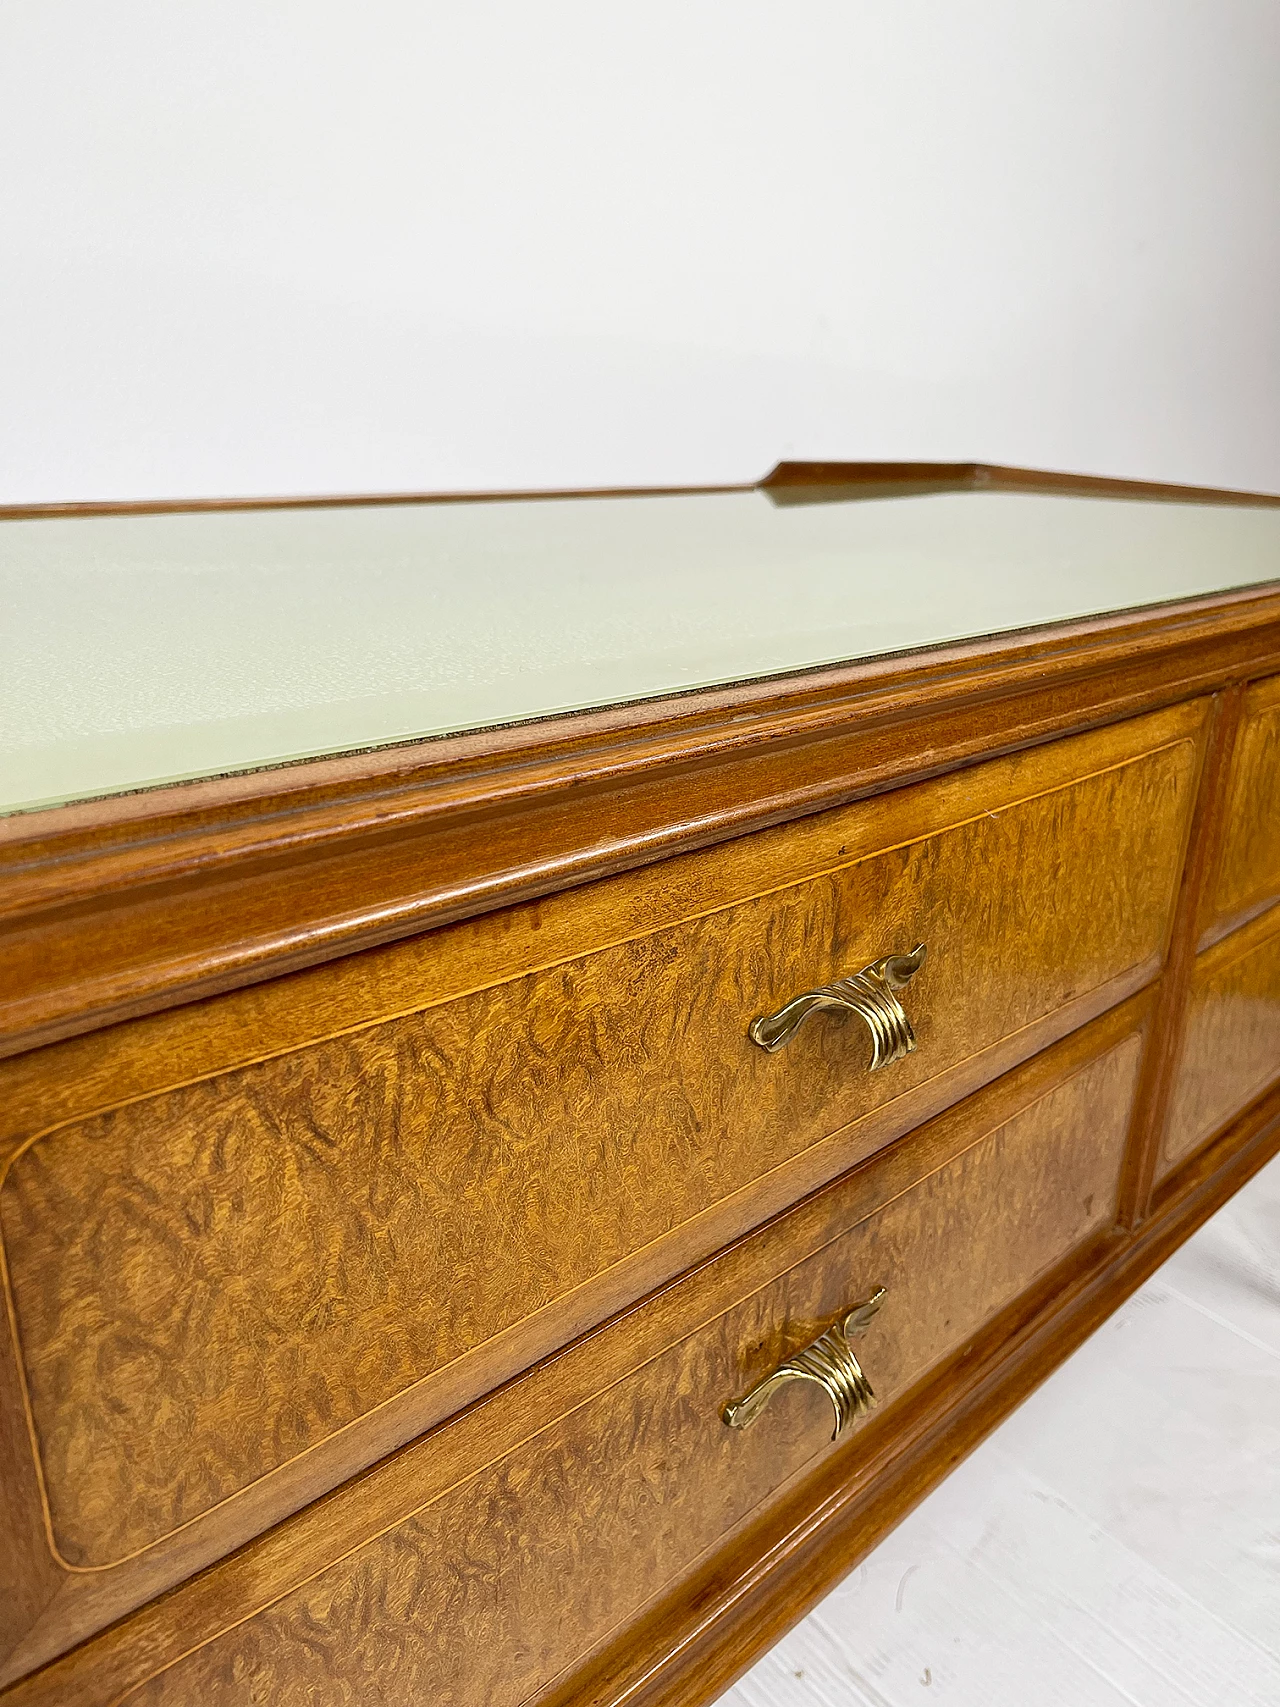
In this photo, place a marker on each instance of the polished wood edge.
(1160, 1066)
(786, 483)
(1261, 925)
(187, 892)
(1222, 928)
(834, 482)
(346, 501)
(691, 1647)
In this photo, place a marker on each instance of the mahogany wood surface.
(617, 1447)
(373, 1219)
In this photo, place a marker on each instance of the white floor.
(1116, 1541)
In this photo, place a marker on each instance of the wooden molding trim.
(832, 482)
(339, 501)
(692, 1646)
(122, 906)
(786, 483)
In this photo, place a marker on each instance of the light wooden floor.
(1116, 1541)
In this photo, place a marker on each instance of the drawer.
(482, 1561)
(1230, 1049)
(1247, 877)
(257, 1243)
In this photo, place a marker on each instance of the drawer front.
(505, 1567)
(232, 1291)
(1231, 1043)
(1248, 872)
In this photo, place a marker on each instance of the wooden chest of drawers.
(409, 1160)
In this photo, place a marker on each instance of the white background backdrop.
(253, 246)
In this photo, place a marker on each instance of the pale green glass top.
(148, 649)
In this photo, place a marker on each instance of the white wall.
(251, 246)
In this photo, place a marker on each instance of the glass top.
(139, 650)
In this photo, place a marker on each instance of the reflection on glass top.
(137, 650)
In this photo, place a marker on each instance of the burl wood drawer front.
(1248, 870)
(482, 1561)
(1231, 1045)
(234, 1285)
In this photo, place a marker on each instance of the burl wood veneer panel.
(486, 1592)
(1231, 1045)
(1248, 874)
(231, 1292)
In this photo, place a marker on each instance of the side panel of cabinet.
(1248, 868)
(1230, 1049)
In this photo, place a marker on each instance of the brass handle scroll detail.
(830, 1362)
(872, 994)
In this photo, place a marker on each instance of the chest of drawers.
(419, 1162)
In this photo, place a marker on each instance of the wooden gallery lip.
(393, 895)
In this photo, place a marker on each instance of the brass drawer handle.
(830, 1362)
(872, 994)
